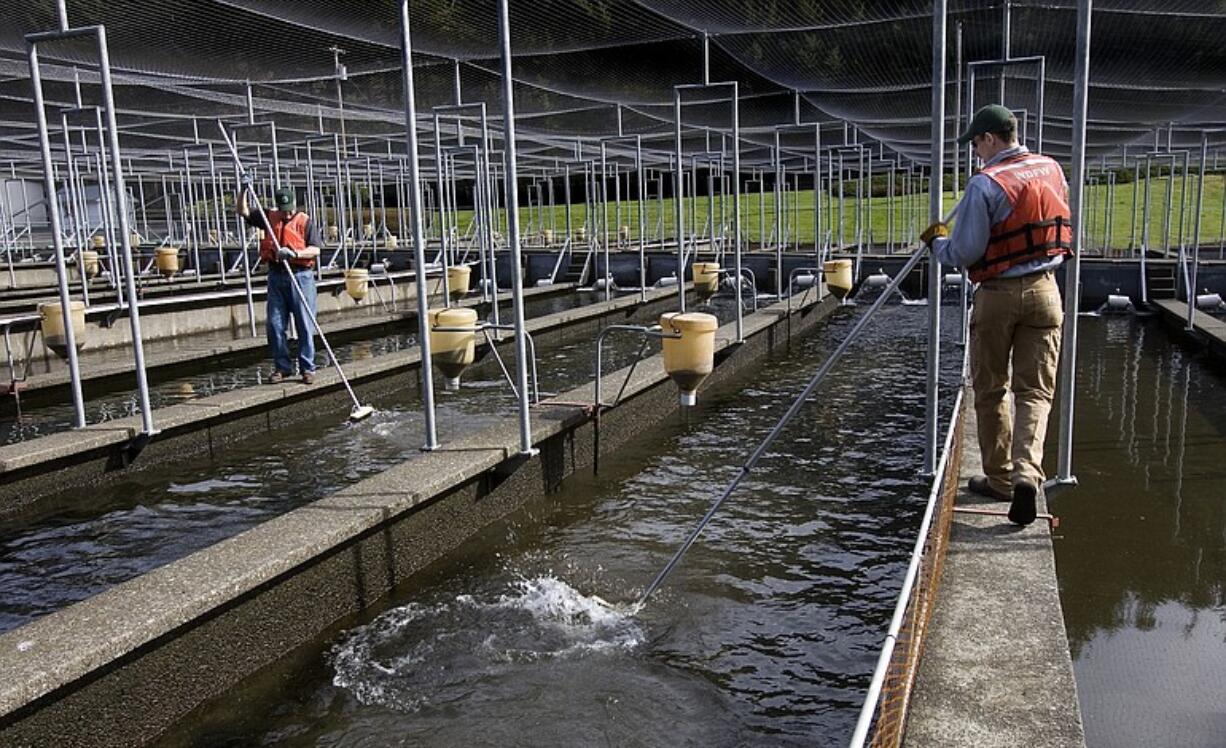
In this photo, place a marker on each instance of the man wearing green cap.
(1012, 232)
(299, 242)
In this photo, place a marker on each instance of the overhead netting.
(581, 66)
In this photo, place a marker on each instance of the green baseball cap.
(991, 118)
(284, 198)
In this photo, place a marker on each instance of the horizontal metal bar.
(1032, 59)
(39, 37)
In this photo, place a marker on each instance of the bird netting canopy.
(581, 67)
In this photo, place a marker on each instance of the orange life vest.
(291, 234)
(1039, 224)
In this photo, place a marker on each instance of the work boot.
(276, 377)
(982, 486)
(1022, 510)
(308, 377)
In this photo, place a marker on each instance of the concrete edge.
(337, 325)
(1208, 331)
(996, 670)
(32, 469)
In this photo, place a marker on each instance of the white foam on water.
(418, 654)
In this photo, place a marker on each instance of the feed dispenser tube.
(167, 261)
(453, 342)
(690, 357)
(89, 266)
(458, 277)
(52, 325)
(357, 282)
(838, 277)
(706, 279)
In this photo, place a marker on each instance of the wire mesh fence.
(889, 722)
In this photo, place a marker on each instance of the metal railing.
(889, 693)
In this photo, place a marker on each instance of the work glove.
(246, 180)
(937, 229)
(286, 254)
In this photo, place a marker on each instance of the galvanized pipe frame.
(936, 194)
(1149, 158)
(638, 168)
(106, 217)
(1040, 92)
(75, 205)
(857, 226)
(483, 175)
(567, 248)
(419, 239)
(481, 217)
(1072, 277)
(648, 332)
(733, 99)
(98, 33)
(803, 127)
(187, 169)
(513, 239)
(338, 197)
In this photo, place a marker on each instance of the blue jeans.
(282, 302)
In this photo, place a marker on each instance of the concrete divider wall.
(203, 312)
(34, 475)
(120, 668)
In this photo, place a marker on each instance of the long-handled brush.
(359, 411)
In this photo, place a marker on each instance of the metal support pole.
(778, 219)
(957, 99)
(604, 219)
(935, 195)
(1072, 271)
(419, 238)
(1200, 207)
(736, 207)
(57, 239)
(678, 195)
(1006, 34)
(642, 187)
(125, 233)
(517, 288)
(817, 193)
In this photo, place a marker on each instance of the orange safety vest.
(291, 234)
(1040, 223)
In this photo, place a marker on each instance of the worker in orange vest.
(1012, 232)
(299, 241)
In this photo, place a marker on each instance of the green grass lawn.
(909, 215)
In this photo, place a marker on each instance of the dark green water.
(148, 518)
(766, 634)
(250, 370)
(1141, 553)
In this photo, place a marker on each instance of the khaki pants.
(1018, 317)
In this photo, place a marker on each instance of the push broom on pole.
(359, 411)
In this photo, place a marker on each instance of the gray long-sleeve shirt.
(984, 205)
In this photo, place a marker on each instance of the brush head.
(360, 412)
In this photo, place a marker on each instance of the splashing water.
(418, 655)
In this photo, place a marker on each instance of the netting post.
(1006, 23)
(935, 210)
(517, 286)
(1072, 268)
(643, 218)
(736, 207)
(419, 239)
(57, 237)
(678, 194)
(1200, 207)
